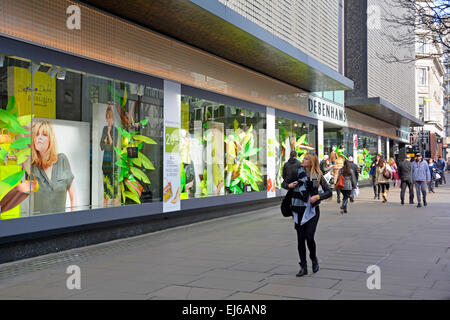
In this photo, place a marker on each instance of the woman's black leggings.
(376, 187)
(305, 233)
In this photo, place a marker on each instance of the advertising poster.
(65, 185)
(215, 158)
(44, 98)
(104, 176)
(172, 160)
(270, 152)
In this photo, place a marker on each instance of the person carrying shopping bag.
(305, 208)
(373, 174)
(432, 167)
(384, 176)
(349, 184)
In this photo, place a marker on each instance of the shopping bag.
(356, 192)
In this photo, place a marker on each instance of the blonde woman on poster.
(52, 171)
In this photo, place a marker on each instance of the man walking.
(290, 170)
(441, 166)
(355, 168)
(404, 173)
(420, 175)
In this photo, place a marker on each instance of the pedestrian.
(441, 166)
(376, 187)
(289, 175)
(420, 175)
(356, 170)
(325, 165)
(404, 173)
(432, 167)
(383, 177)
(305, 207)
(349, 185)
(394, 169)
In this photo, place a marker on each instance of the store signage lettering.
(326, 110)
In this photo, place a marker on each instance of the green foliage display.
(249, 173)
(20, 147)
(129, 167)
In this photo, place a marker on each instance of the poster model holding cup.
(51, 170)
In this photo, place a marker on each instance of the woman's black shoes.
(303, 271)
(315, 266)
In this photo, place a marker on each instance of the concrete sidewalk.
(254, 256)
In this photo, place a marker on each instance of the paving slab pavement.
(254, 256)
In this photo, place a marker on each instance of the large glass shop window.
(74, 141)
(292, 135)
(222, 149)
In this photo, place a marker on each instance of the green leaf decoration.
(144, 139)
(11, 103)
(118, 151)
(137, 162)
(22, 155)
(21, 143)
(143, 122)
(121, 163)
(13, 179)
(124, 133)
(24, 120)
(132, 196)
(182, 176)
(3, 153)
(124, 100)
(139, 174)
(146, 161)
(301, 140)
(236, 124)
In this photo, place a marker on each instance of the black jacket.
(404, 171)
(290, 169)
(355, 168)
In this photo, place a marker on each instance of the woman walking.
(394, 169)
(384, 175)
(349, 185)
(433, 168)
(305, 208)
(376, 187)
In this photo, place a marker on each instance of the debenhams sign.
(327, 111)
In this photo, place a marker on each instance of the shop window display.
(16, 183)
(75, 141)
(222, 149)
(367, 150)
(292, 135)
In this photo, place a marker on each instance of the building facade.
(430, 103)
(446, 87)
(117, 111)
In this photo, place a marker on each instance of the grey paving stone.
(106, 295)
(191, 293)
(431, 294)
(337, 274)
(227, 284)
(303, 281)
(253, 266)
(236, 274)
(386, 288)
(442, 285)
(253, 296)
(296, 291)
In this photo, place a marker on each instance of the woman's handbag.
(286, 209)
(341, 182)
(5, 137)
(386, 173)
